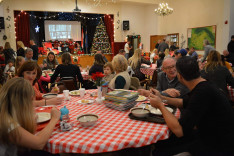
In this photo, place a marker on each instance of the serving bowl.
(87, 120)
(140, 112)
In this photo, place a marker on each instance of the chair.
(60, 85)
(69, 83)
(153, 82)
(135, 83)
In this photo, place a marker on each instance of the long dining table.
(114, 130)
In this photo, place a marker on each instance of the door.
(154, 39)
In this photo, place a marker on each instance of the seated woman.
(108, 72)
(17, 119)
(135, 62)
(67, 69)
(97, 65)
(50, 62)
(122, 79)
(18, 63)
(154, 56)
(215, 72)
(32, 72)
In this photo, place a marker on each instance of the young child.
(9, 70)
(108, 72)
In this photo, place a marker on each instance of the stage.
(84, 60)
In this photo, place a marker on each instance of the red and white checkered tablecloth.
(149, 71)
(231, 92)
(113, 131)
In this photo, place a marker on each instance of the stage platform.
(84, 60)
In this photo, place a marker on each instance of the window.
(62, 30)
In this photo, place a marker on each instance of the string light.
(53, 16)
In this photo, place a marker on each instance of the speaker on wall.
(125, 25)
(2, 23)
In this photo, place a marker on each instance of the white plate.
(75, 93)
(49, 95)
(84, 101)
(43, 117)
(157, 111)
(141, 98)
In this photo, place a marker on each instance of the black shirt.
(208, 110)
(20, 52)
(96, 68)
(67, 71)
(35, 52)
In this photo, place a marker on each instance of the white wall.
(2, 42)
(231, 20)
(195, 13)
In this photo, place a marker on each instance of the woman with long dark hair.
(98, 64)
(50, 62)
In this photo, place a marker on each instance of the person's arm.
(38, 141)
(119, 82)
(171, 121)
(177, 102)
(55, 75)
(92, 70)
(79, 76)
(46, 78)
(52, 101)
(229, 78)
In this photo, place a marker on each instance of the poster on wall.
(196, 36)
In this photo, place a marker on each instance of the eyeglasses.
(169, 67)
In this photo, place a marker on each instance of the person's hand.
(55, 90)
(155, 92)
(144, 92)
(155, 101)
(172, 92)
(55, 114)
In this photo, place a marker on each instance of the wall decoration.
(37, 28)
(196, 36)
(182, 42)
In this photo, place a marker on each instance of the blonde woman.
(18, 63)
(154, 56)
(135, 62)
(122, 79)
(17, 119)
(21, 48)
(215, 72)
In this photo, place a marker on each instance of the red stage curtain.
(108, 20)
(117, 46)
(22, 27)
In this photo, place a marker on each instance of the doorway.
(154, 40)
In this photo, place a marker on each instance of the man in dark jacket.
(34, 47)
(231, 45)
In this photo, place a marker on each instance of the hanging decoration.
(57, 14)
(37, 29)
(163, 9)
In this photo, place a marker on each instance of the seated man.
(167, 81)
(206, 111)
(28, 54)
(229, 57)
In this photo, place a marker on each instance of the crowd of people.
(197, 86)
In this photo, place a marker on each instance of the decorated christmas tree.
(101, 39)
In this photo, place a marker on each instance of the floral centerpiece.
(97, 77)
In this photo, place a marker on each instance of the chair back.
(154, 79)
(69, 83)
(135, 83)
